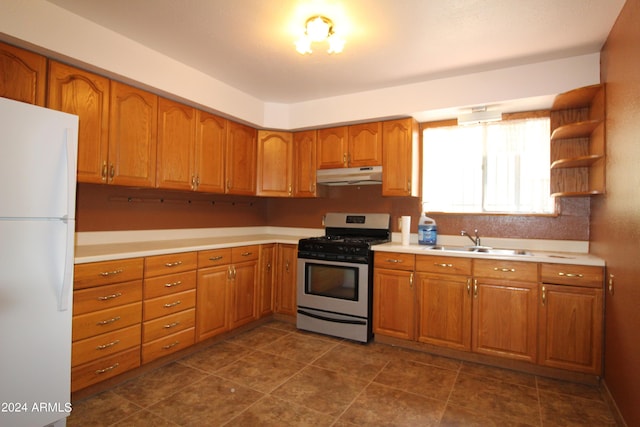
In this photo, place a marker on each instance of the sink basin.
(479, 249)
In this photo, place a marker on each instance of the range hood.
(367, 175)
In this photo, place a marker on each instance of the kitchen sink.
(479, 249)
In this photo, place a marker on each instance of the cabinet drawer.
(214, 257)
(99, 322)
(443, 264)
(245, 253)
(108, 296)
(161, 306)
(93, 348)
(167, 325)
(394, 260)
(94, 372)
(107, 272)
(169, 284)
(575, 275)
(168, 264)
(167, 345)
(509, 270)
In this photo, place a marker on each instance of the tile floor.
(275, 375)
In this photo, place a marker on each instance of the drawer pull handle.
(396, 261)
(247, 253)
(444, 265)
(216, 258)
(105, 346)
(110, 273)
(108, 297)
(172, 264)
(171, 325)
(171, 285)
(107, 369)
(172, 304)
(108, 321)
(173, 344)
(504, 269)
(578, 275)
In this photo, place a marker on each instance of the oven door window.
(331, 281)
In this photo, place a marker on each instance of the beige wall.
(615, 222)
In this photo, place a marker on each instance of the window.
(497, 167)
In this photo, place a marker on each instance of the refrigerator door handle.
(67, 277)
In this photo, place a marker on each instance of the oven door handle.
(329, 319)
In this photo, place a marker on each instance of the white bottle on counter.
(427, 231)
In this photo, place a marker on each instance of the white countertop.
(106, 246)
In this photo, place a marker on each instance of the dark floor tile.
(101, 410)
(156, 385)
(383, 406)
(216, 357)
(258, 337)
(500, 374)
(210, 402)
(574, 389)
(298, 347)
(261, 371)
(415, 377)
(566, 410)
(455, 416)
(322, 390)
(144, 418)
(514, 403)
(270, 411)
(354, 360)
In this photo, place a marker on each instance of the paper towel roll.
(406, 229)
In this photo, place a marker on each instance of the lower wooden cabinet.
(267, 273)
(286, 276)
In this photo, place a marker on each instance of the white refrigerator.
(38, 152)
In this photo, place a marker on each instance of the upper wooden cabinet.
(241, 159)
(275, 164)
(211, 137)
(400, 158)
(176, 146)
(350, 146)
(304, 163)
(23, 75)
(133, 125)
(86, 95)
(578, 142)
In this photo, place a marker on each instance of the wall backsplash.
(109, 208)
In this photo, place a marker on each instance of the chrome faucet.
(476, 241)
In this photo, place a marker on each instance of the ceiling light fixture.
(317, 29)
(479, 115)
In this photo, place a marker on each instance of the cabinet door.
(23, 75)
(393, 303)
(212, 302)
(505, 319)
(211, 137)
(444, 310)
(243, 291)
(304, 163)
(286, 280)
(267, 280)
(176, 146)
(365, 145)
(133, 125)
(86, 95)
(400, 158)
(332, 146)
(571, 328)
(241, 156)
(275, 164)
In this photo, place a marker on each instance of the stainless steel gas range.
(335, 280)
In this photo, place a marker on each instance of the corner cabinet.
(400, 158)
(240, 159)
(578, 142)
(275, 164)
(304, 161)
